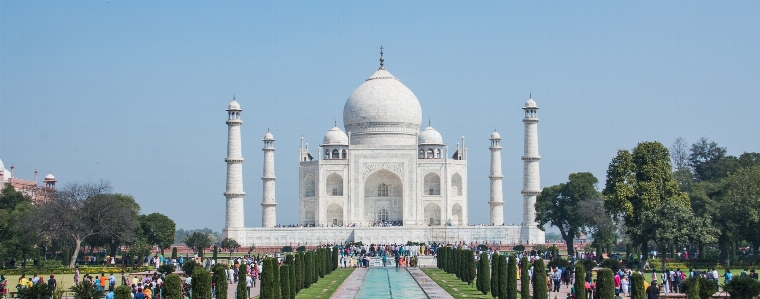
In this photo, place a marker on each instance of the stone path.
(351, 286)
(232, 288)
(431, 289)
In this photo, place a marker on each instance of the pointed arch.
(334, 214)
(456, 214)
(432, 214)
(308, 185)
(456, 184)
(432, 184)
(334, 185)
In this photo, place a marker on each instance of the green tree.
(292, 277)
(637, 286)
(130, 225)
(158, 229)
(335, 258)
(86, 290)
(300, 270)
(285, 281)
(540, 290)
(198, 241)
(19, 233)
(605, 284)
(230, 245)
(740, 207)
(580, 282)
(241, 292)
(173, 287)
(470, 266)
(309, 269)
(220, 281)
(201, 284)
(140, 249)
(558, 205)
(494, 276)
(483, 283)
(508, 287)
(637, 182)
(743, 287)
(38, 291)
(525, 279)
(693, 292)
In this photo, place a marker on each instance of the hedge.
(494, 276)
(82, 270)
(285, 281)
(540, 290)
(510, 287)
(637, 286)
(122, 292)
(299, 262)
(201, 283)
(525, 279)
(483, 283)
(172, 287)
(605, 284)
(220, 281)
(242, 292)
(580, 281)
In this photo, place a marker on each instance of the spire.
(382, 60)
(428, 122)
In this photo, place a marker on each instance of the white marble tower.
(497, 197)
(268, 204)
(531, 176)
(234, 193)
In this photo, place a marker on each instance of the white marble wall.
(497, 196)
(234, 193)
(268, 204)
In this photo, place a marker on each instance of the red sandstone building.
(38, 193)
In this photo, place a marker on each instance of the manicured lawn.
(451, 284)
(327, 285)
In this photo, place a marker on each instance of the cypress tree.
(693, 292)
(580, 281)
(277, 286)
(502, 285)
(307, 275)
(525, 279)
(637, 286)
(201, 283)
(471, 271)
(220, 280)
(292, 280)
(299, 262)
(495, 275)
(313, 275)
(605, 284)
(336, 258)
(484, 274)
(174, 252)
(325, 262)
(285, 281)
(510, 285)
(216, 252)
(599, 252)
(241, 292)
(173, 287)
(540, 290)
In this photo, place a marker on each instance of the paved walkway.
(431, 289)
(350, 287)
(232, 289)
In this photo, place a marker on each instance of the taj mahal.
(381, 179)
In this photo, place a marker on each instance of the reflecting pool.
(389, 283)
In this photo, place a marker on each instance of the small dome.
(268, 137)
(495, 135)
(335, 137)
(49, 177)
(234, 105)
(530, 104)
(430, 136)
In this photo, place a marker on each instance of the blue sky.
(135, 92)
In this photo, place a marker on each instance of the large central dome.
(381, 111)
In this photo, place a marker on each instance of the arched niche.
(432, 214)
(456, 185)
(432, 184)
(334, 185)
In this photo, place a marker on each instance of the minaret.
(234, 193)
(268, 217)
(497, 199)
(531, 176)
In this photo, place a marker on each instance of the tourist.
(110, 295)
(76, 276)
(4, 286)
(652, 291)
(249, 284)
(624, 286)
(52, 284)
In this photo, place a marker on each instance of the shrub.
(483, 283)
(540, 290)
(37, 291)
(173, 287)
(588, 264)
(525, 279)
(743, 287)
(558, 262)
(519, 248)
(611, 263)
(285, 281)
(86, 290)
(201, 283)
(241, 292)
(122, 292)
(508, 289)
(188, 266)
(301, 249)
(580, 281)
(637, 287)
(693, 292)
(605, 284)
(482, 247)
(220, 281)
(166, 269)
(287, 249)
(706, 287)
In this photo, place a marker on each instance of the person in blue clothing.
(110, 294)
(727, 276)
(139, 294)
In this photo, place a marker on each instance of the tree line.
(77, 215)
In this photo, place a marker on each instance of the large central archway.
(383, 198)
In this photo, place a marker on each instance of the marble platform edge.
(351, 286)
(429, 287)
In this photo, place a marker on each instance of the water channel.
(389, 283)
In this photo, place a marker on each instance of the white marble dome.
(268, 137)
(382, 104)
(495, 135)
(335, 137)
(234, 105)
(530, 104)
(49, 177)
(430, 136)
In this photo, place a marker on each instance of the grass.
(327, 285)
(455, 287)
